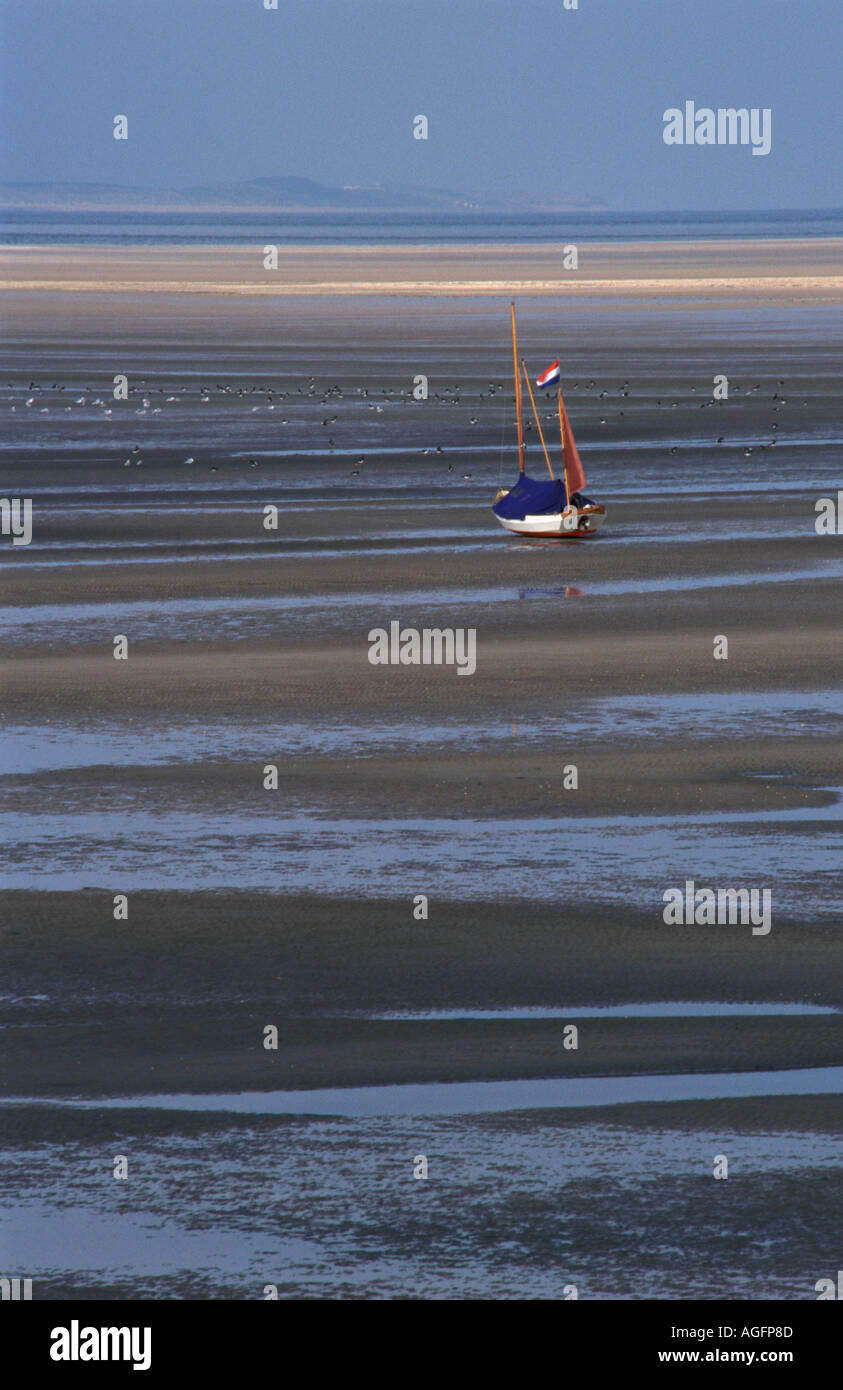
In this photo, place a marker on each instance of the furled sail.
(573, 468)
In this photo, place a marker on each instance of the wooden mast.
(517, 392)
(538, 422)
(562, 437)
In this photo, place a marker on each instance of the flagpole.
(562, 437)
(517, 392)
(538, 422)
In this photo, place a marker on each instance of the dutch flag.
(550, 377)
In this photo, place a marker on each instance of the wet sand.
(213, 970)
(249, 647)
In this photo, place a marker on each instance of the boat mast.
(562, 437)
(538, 422)
(517, 392)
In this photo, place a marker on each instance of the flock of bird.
(273, 398)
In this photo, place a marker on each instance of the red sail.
(573, 467)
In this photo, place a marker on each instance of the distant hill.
(286, 193)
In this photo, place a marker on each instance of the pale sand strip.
(765, 286)
(780, 270)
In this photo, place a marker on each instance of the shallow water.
(480, 1097)
(37, 747)
(626, 859)
(186, 619)
(90, 554)
(513, 1207)
(660, 1009)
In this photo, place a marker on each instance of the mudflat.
(295, 904)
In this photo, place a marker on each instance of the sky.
(526, 101)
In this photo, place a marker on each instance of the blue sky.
(525, 101)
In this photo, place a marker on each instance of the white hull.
(576, 522)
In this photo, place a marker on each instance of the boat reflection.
(559, 591)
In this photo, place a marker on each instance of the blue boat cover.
(529, 497)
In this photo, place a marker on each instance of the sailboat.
(533, 507)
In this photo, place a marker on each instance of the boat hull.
(577, 523)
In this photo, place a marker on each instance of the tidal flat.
(296, 907)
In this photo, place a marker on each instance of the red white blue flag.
(550, 377)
